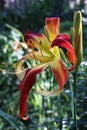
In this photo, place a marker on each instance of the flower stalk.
(74, 100)
(78, 47)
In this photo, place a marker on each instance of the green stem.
(74, 94)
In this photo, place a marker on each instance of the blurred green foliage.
(47, 113)
(30, 16)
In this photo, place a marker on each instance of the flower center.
(34, 46)
(55, 51)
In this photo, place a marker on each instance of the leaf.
(11, 120)
(16, 30)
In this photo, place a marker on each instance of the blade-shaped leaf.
(12, 121)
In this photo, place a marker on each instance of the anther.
(40, 48)
(30, 44)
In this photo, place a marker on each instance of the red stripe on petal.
(26, 35)
(64, 36)
(38, 41)
(64, 42)
(26, 85)
(52, 26)
(60, 73)
(35, 37)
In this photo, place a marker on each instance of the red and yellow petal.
(38, 41)
(20, 70)
(61, 76)
(63, 41)
(60, 73)
(26, 85)
(52, 27)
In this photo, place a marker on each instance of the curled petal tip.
(25, 118)
(64, 41)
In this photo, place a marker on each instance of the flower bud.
(77, 36)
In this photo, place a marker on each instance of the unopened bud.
(77, 36)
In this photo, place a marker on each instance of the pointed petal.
(64, 36)
(20, 70)
(52, 27)
(63, 40)
(26, 85)
(60, 74)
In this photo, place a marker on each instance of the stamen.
(40, 43)
(34, 46)
(30, 44)
(33, 52)
(40, 48)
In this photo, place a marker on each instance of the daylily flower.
(46, 50)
